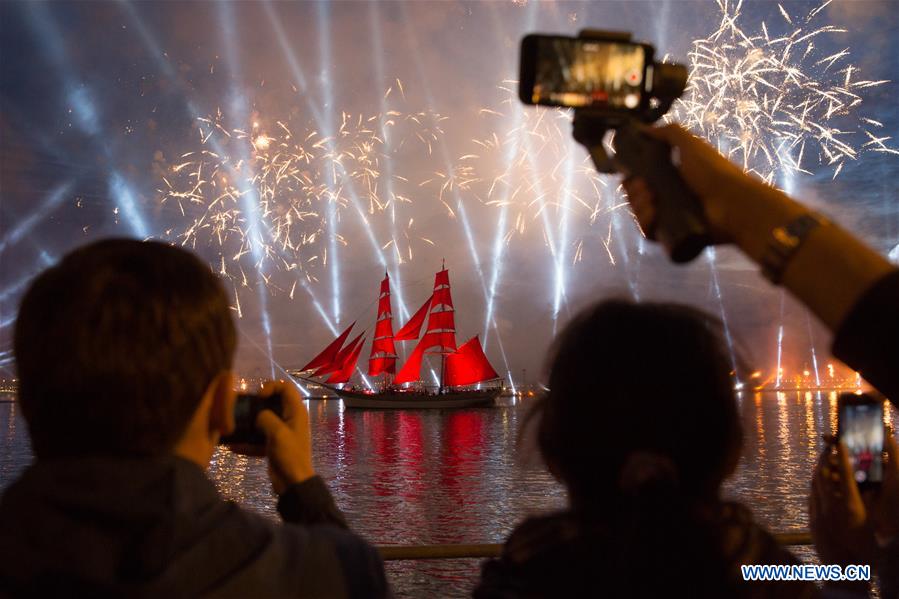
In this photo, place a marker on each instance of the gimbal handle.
(679, 219)
(679, 222)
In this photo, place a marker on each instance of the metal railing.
(481, 551)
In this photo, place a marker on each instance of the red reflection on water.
(383, 449)
(461, 461)
(349, 434)
(419, 468)
(465, 433)
(339, 431)
(396, 440)
(412, 448)
(410, 436)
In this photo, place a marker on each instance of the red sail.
(412, 329)
(341, 359)
(382, 357)
(330, 353)
(441, 331)
(383, 328)
(343, 375)
(445, 340)
(383, 345)
(442, 296)
(468, 365)
(442, 289)
(411, 369)
(381, 365)
(442, 321)
(384, 305)
(442, 278)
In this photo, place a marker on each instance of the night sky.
(99, 102)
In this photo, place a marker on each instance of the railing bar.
(480, 551)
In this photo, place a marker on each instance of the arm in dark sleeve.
(310, 502)
(868, 338)
(363, 568)
(499, 581)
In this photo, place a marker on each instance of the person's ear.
(221, 412)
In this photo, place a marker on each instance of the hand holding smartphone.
(861, 431)
(246, 409)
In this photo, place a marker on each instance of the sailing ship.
(466, 377)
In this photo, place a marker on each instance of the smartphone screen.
(576, 72)
(244, 412)
(861, 431)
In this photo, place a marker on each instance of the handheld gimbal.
(679, 222)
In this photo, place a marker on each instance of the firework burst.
(774, 102)
(528, 165)
(293, 173)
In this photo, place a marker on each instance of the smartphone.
(246, 409)
(860, 428)
(577, 72)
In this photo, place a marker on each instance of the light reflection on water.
(422, 477)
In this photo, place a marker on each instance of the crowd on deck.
(124, 352)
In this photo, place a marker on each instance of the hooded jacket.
(563, 555)
(113, 527)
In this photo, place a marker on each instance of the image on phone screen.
(577, 72)
(861, 431)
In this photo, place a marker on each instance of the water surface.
(423, 477)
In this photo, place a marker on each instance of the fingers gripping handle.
(679, 226)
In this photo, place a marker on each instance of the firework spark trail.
(165, 67)
(716, 288)
(811, 341)
(290, 166)
(528, 168)
(522, 165)
(247, 193)
(300, 87)
(498, 245)
(519, 152)
(774, 102)
(780, 339)
(449, 170)
(323, 12)
(377, 38)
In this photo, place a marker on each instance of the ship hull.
(417, 400)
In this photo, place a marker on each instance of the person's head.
(125, 348)
(632, 386)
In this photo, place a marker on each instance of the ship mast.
(440, 332)
(442, 371)
(442, 349)
(382, 359)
